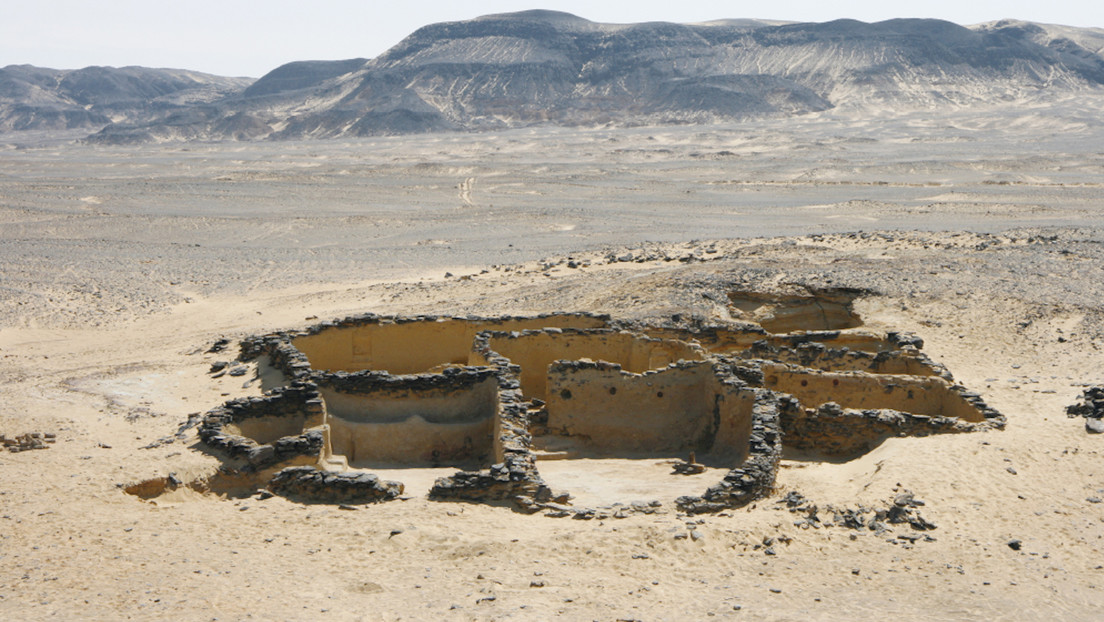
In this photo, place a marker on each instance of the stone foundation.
(480, 393)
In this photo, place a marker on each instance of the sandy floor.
(109, 306)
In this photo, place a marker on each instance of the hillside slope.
(543, 67)
(35, 98)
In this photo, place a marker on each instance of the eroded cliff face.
(537, 67)
(35, 98)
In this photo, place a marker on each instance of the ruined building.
(497, 397)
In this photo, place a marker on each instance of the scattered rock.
(1090, 406)
(901, 511)
(220, 345)
(29, 441)
(1015, 545)
(688, 467)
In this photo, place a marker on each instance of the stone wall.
(223, 428)
(415, 345)
(753, 478)
(375, 391)
(535, 350)
(931, 396)
(669, 411)
(378, 419)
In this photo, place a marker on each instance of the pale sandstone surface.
(109, 307)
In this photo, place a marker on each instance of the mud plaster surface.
(1014, 315)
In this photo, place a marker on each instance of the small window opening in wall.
(659, 393)
(613, 390)
(804, 383)
(566, 394)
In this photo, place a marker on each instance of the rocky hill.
(537, 67)
(34, 98)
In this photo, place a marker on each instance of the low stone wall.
(513, 477)
(220, 428)
(716, 339)
(931, 396)
(376, 418)
(733, 339)
(837, 432)
(415, 345)
(535, 350)
(306, 483)
(816, 355)
(853, 340)
(753, 478)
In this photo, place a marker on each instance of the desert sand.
(119, 267)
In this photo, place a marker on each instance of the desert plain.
(977, 230)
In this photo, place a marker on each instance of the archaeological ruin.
(495, 398)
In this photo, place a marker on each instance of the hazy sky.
(251, 37)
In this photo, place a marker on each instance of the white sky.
(252, 37)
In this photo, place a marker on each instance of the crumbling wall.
(1090, 405)
(752, 478)
(932, 396)
(837, 432)
(615, 412)
(729, 339)
(715, 339)
(670, 411)
(372, 391)
(513, 477)
(376, 418)
(311, 485)
(816, 355)
(864, 341)
(414, 345)
(249, 428)
(534, 351)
